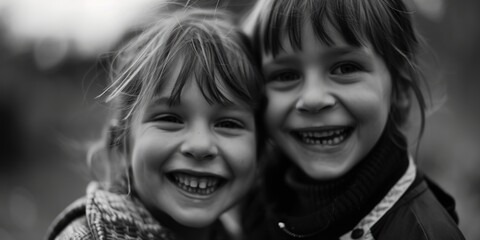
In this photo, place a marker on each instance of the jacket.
(415, 208)
(418, 214)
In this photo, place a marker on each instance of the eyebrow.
(236, 108)
(288, 57)
(233, 106)
(160, 101)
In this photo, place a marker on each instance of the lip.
(197, 173)
(196, 184)
(321, 128)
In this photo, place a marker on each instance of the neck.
(183, 232)
(189, 233)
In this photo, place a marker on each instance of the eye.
(168, 118)
(346, 68)
(229, 124)
(285, 76)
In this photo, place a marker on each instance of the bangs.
(208, 48)
(359, 22)
(219, 64)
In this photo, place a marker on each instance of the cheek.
(149, 153)
(143, 174)
(278, 106)
(148, 157)
(374, 111)
(240, 154)
(143, 161)
(147, 149)
(370, 106)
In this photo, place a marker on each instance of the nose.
(316, 95)
(199, 144)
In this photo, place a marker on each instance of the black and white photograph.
(239, 119)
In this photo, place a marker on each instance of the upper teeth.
(200, 182)
(320, 133)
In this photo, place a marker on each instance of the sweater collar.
(334, 207)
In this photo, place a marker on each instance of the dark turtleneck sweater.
(329, 209)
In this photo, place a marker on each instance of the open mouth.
(324, 137)
(196, 183)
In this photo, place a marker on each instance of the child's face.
(327, 106)
(192, 160)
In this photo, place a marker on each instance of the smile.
(196, 183)
(324, 137)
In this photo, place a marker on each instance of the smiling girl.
(341, 77)
(183, 146)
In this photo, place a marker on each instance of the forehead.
(175, 85)
(308, 40)
(172, 76)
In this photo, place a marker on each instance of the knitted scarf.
(111, 216)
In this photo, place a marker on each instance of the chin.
(325, 172)
(195, 221)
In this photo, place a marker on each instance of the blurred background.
(49, 114)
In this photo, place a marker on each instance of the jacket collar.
(362, 229)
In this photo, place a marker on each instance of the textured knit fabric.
(310, 209)
(332, 211)
(103, 215)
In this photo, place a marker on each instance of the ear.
(402, 98)
(119, 139)
(400, 102)
(401, 93)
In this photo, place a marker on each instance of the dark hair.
(211, 48)
(385, 24)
